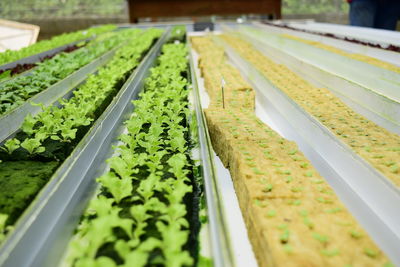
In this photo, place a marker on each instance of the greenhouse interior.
(184, 133)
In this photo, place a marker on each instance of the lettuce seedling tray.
(12, 120)
(41, 233)
(26, 69)
(369, 195)
(197, 150)
(44, 230)
(368, 89)
(24, 73)
(38, 57)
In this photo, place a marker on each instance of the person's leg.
(388, 12)
(362, 13)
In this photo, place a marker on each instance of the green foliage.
(178, 34)
(3, 219)
(59, 40)
(148, 180)
(314, 7)
(32, 145)
(20, 181)
(177, 162)
(26, 9)
(11, 145)
(5, 75)
(61, 123)
(15, 92)
(119, 188)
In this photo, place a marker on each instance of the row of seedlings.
(26, 68)
(47, 139)
(293, 216)
(14, 92)
(57, 41)
(146, 210)
(375, 144)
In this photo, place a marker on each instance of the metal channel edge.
(379, 80)
(374, 36)
(38, 57)
(12, 120)
(220, 245)
(370, 196)
(378, 108)
(384, 55)
(46, 225)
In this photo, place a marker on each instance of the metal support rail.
(369, 195)
(43, 231)
(380, 80)
(381, 54)
(12, 120)
(38, 57)
(220, 245)
(377, 98)
(370, 35)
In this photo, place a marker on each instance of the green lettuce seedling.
(119, 188)
(11, 145)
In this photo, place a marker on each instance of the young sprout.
(284, 237)
(330, 253)
(321, 238)
(308, 174)
(271, 213)
(11, 145)
(355, 234)
(370, 252)
(32, 146)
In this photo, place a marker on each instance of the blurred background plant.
(58, 16)
(33, 9)
(293, 7)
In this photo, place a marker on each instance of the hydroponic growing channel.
(142, 146)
